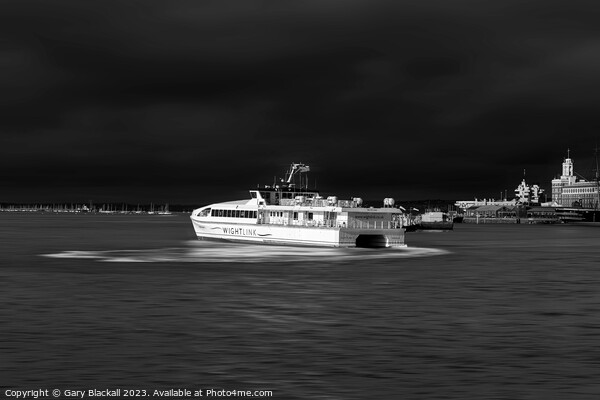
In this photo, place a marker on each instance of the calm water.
(483, 312)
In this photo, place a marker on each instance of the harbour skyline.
(192, 103)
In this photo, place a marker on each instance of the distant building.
(491, 211)
(524, 194)
(568, 191)
(464, 204)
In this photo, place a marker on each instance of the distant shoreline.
(106, 208)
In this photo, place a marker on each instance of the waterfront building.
(491, 211)
(525, 194)
(568, 191)
(465, 204)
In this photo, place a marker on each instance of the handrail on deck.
(341, 225)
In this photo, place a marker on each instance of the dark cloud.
(410, 99)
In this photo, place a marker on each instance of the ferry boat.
(291, 214)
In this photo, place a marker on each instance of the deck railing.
(318, 203)
(372, 225)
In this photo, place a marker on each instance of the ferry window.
(237, 213)
(310, 216)
(253, 195)
(254, 214)
(296, 215)
(220, 213)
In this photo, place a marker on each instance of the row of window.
(580, 190)
(309, 216)
(233, 213)
(253, 214)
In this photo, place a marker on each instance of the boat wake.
(210, 252)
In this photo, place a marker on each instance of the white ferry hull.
(297, 235)
(292, 215)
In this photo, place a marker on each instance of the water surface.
(484, 311)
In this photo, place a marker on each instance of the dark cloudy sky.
(195, 101)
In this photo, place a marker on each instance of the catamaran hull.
(299, 235)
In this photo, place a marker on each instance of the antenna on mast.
(300, 169)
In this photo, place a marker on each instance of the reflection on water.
(210, 252)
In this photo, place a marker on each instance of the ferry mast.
(300, 169)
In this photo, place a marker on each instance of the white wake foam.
(210, 252)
